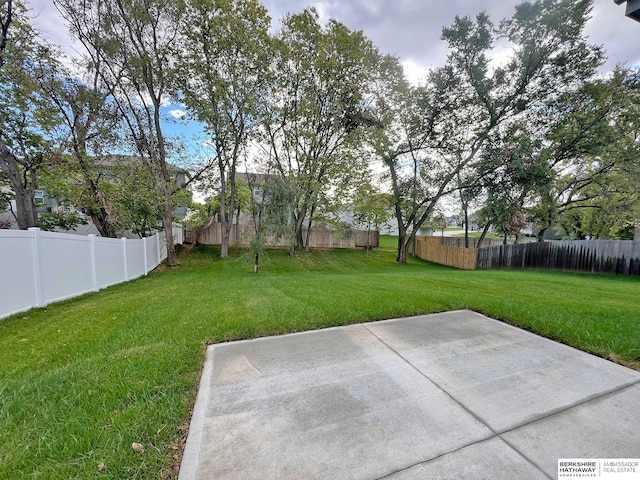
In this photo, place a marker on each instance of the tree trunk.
(299, 239)
(100, 218)
(540, 235)
(298, 220)
(307, 241)
(26, 210)
(256, 263)
(636, 234)
(224, 233)
(368, 238)
(403, 242)
(200, 230)
(402, 239)
(466, 227)
(103, 227)
(402, 251)
(231, 183)
(224, 246)
(483, 234)
(167, 223)
(412, 241)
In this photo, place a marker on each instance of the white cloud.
(177, 113)
(415, 73)
(409, 29)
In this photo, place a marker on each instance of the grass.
(81, 380)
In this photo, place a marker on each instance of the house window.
(257, 192)
(38, 197)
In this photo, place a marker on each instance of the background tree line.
(539, 138)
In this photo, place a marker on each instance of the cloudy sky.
(410, 29)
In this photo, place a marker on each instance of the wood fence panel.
(368, 238)
(620, 257)
(319, 238)
(459, 241)
(433, 249)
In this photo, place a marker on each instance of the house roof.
(632, 10)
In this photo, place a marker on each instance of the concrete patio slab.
(453, 395)
(480, 460)
(603, 428)
(477, 360)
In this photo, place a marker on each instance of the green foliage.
(122, 191)
(314, 122)
(6, 194)
(545, 123)
(26, 114)
(273, 213)
(371, 209)
(591, 149)
(222, 82)
(62, 221)
(200, 213)
(257, 250)
(624, 230)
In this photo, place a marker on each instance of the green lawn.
(80, 381)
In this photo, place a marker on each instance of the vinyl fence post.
(124, 258)
(158, 247)
(92, 260)
(144, 250)
(35, 251)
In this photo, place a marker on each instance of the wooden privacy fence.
(620, 257)
(459, 241)
(434, 249)
(319, 238)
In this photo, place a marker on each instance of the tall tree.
(134, 43)
(371, 208)
(549, 53)
(590, 136)
(512, 167)
(223, 64)
(410, 122)
(315, 109)
(23, 149)
(272, 211)
(88, 124)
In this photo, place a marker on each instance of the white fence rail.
(38, 267)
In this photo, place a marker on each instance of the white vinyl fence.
(38, 267)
